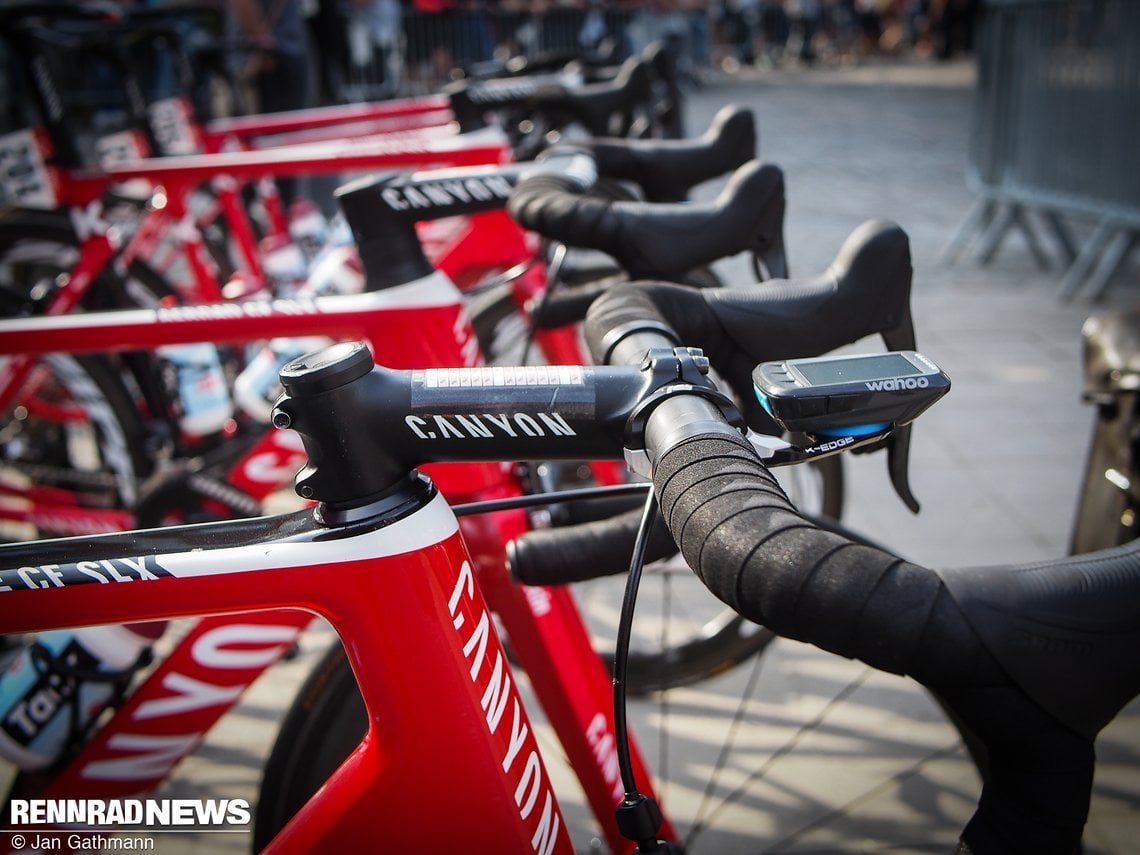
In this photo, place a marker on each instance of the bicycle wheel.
(39, 248)
(76, 426)
(325, 722)
(74, 436)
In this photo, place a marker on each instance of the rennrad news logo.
(151, 813)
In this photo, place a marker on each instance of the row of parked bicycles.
(502, 379)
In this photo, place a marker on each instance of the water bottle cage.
(46, 662)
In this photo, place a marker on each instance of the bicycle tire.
(322, 726)
(99, 456)
(33, 242)
(37, 248)
(41, 247)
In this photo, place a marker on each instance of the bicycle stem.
(340, 402)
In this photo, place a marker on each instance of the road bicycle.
(265, 466)
(1037, 706)
(42, 164)
(426, 315)
(206, 495)
(239, 476)
(35, 243)
(590, 416)
(636, 98)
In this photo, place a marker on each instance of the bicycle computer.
(849, 395)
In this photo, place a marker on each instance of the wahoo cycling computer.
(849, 395)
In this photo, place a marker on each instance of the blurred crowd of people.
(770, 31)
(367, 49)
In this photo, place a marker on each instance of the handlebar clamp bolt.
(700, 361)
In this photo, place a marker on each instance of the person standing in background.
(740, 22)
(278, 69)
(328, 40)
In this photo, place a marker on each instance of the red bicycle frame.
(176, 178)
(427, 317)
(180, 176)
(320, 124)
(448, 735)
(489, 241)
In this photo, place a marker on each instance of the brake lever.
(902, 337)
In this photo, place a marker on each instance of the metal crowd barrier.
(1055, 132)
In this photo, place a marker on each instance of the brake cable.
(638, 816)
(553, 278)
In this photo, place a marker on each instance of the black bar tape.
(740, 534)
(563, 307)
(866, 290)
(558, 556)
(748, 544)
(628, 308)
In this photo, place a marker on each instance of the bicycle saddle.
(1112, 352)
(1078, 616)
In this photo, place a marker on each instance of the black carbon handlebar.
(747, 543)
(865, 290)
(339, 401)
(559, 556)
(383, 210)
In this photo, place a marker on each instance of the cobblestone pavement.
(995, 465)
